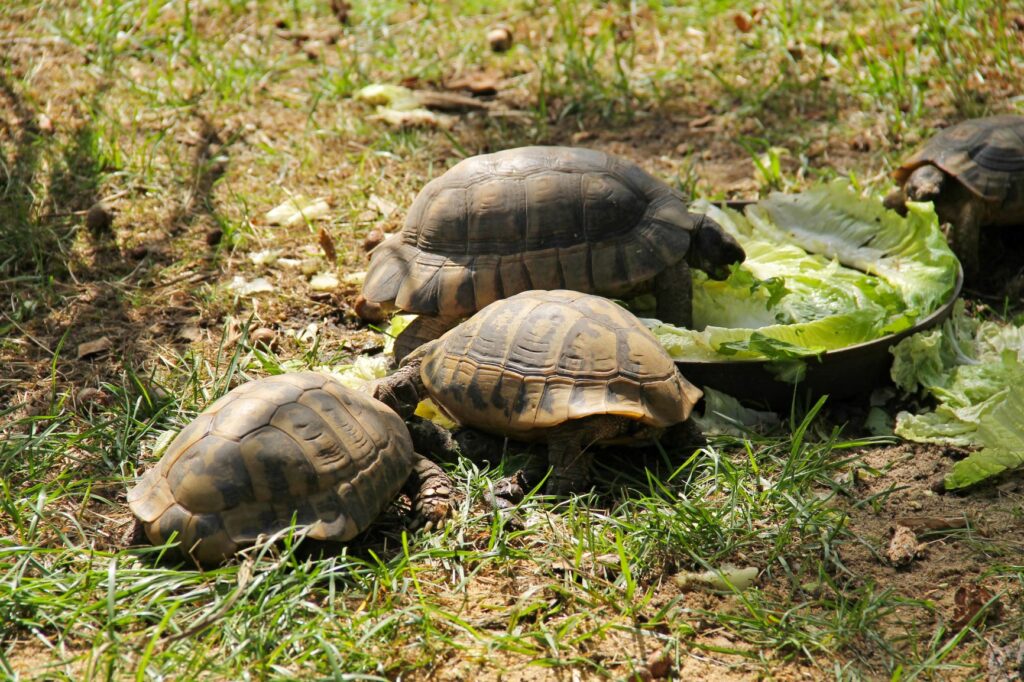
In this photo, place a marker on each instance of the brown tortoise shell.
(985, 154)
(297, 445)
(542, 358)
(529, 218)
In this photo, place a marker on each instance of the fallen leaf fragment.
(393, 97)
(354, 279)
(382, 206)
(89, 348)
(245, 287)
(968, 601)
(701, 122)
(325, 281)
(414, 118)
(264, 257)
(190, 332)
(327, 244)
(448, 101)
(296, 210)
(903, 547)
(480, 84)
(722, 579)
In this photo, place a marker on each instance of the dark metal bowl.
(844, 373)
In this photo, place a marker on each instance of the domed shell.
(296, 445)
(541, 358)
(985, 154)
(529, 218)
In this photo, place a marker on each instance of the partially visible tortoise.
(296, 446)
(974, 172)
(541, 218)
(563, 367)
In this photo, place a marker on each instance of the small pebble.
(372, 239)
(99, 218)
(264, 336)
(660, 664)
(499, 38)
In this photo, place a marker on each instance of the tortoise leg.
(421, 330)
(430, 490)
(434, 440)
(673, 288)
(569, 455)
(400, 391)
(967, 238)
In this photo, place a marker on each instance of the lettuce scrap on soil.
(973, 370)
(825, 269)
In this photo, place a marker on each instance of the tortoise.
(540, 218)
(563, 367)
(297, 445)
(974, 173)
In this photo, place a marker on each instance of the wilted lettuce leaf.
(973, 370)
(1001, 432)
(784, 302)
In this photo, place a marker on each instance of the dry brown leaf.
(448, 101)
(100, 345)
(480, 84)
(701, 122)
(743, 21)
(968, 600)
(327, 244)
(903, 547)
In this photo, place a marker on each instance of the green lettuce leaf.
(974, 372)
(787, 301)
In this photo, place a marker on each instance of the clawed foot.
(431, 495)
(430, 513)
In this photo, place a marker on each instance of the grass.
(190, 120)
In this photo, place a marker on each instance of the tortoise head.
(713, 249)
(925, 183)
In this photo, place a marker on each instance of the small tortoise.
(296, 445)
(974, 172)
(563, 367)
(541, 218)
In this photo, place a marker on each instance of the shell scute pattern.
(297, 445)
(529, 218)
(541, 358)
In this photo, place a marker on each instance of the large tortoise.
(563, 367)
(541, 218)
(296, 446)
(974, 172)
